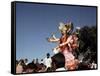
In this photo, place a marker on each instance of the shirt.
(47, 62)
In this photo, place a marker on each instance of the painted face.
(63, 31)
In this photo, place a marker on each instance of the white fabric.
(41, 62)
(68, 56)
(19, 68)
(60, 69)
(93, 66)
(55, 51)
(47, 62)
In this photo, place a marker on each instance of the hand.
(57, 47)
(49, 39)
(61, 44)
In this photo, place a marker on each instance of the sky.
(36, 22)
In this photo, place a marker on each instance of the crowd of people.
(46, 65)
(22, 65)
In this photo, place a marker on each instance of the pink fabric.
(68, 56)
(67, 50)
(19, 68)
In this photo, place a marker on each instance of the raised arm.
(68, 40)
(53, 39)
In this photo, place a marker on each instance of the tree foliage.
(88, 43)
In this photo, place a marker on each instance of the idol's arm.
(53, 39)
(68, 40)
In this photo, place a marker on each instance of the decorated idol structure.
(68, 43)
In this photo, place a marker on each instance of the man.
(47, 62)
(93, 65)
(19, 68)
(31, 67)
(26, 61)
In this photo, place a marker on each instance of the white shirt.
(47, 62)
(94, 66)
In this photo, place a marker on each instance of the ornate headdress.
(67, 27)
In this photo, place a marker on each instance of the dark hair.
(48, 54)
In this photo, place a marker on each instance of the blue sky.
(36, 22)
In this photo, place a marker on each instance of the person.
(26, 61)
(47, 62)
(43, 68)
(25, 65)
(41, 62)
(19, 68)
(93, 65)
(37, 62)
(31, 67)
(65, 47)
(17, 62)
